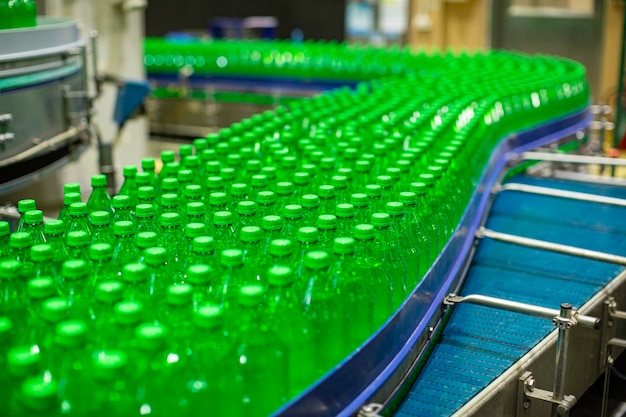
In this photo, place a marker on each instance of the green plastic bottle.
(238, 193)
(218, 201)
(202, 279)
(176, 313)
(37, 397)
(143, 241)
(170, 186)
(120, 335)
(55, 237)
(123, 209)
(23, 207)
(409, 249)
(78, 245)
(79, 219)
(284, 310)
(308, 240)
(369, 266)
(272, 227)
(139, 287)
(230, 280)
(5, 235)
(12, 291)
(261, 357)
(41, 257)
(310, 204)
(33, 224)
(102, 309)
(386, 247)
(172, 239)
(156, 259)
(68, 200)
(146, 218)
(102, 267)
(99, 198)
(284, 194)
(428, 219)
(247, 215)
(160, 386)
(124, 250)
(74, 285)
(129, 187)
(327, 226)
(170, 203)
(53, 311)
(112, 393)
(203, 251)
(195, 212)
(101, 226)
(147, 195)
(323, 309)
(148, 166)
(38, 291)
(266, 203)
(21, 363)
(252, 245)
(328, 199)
(293, 215)
(224, 230)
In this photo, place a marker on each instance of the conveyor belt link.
(480, 343)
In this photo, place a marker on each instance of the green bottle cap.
(179, 295)
(193, 230)
(71, 187)
(199, 274)
(326, 191)
(133, 273)
(6, 326)
(251, 295)
(77, 239)
(143, 179)
(238, 189)
(339, 182)
(123, 228)
(71, 333)
(266, 197)
(10, 269)
(258, 181)
(408, 198)
(33, 217)
(167, 157)
(170, 185)
(55, 309)
(208, 316)
(100, 252)
(435, 171)
(231, 257)
(308, 234)
(155, 256)
(317, 259)
(293, 211)
(362, 166)
(428, 179)
(145, 240)
(75, 269)
(279, 275)
(281, 247)
(344, 245)
(128, 312)
(146, 193)
(301, 178)
(169, 200)
(203, 244)
(246, 207)
(129, 171)
(404, 167)
(381, 220)
(39, 394)
(22, 362)
(5, 229)
(251, 234)
(78, 209)
(364, 232)
(285, 188)
(150, 336)
(54, 227)
(121, 202)
(200, 144)
(170, 220)
(344, 210)
(253, 165)
(192, 191)
(394, 173)
(148, 164)
(359, 200)
(272, 223)
(26, 205)
(218, 199)
(71, 198)
(384, 181)
(222, 218)
(185, 175)
(327, 221)
(328, 163)
(233, 159)
(109, 291)
(373, 190)
(20, 240)
(185, 150)
(41, 253)
(394, 208)
(145, 210)
(310, 201)
(40, 288)
(99, 180)
(214, 183)
(269, 172)
(109, 364)
(100, 218)
(419, 188)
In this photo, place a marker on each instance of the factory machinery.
(516, 312)
(519, 313)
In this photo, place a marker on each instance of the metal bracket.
(527, 392)
(610, 314)
(370, 410)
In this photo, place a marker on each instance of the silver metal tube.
(522, 308)
(562, 342)
(572, 159)
(46, 145)
(554, 192)
(550, 246)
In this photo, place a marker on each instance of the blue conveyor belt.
(479, 343)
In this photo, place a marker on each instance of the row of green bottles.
(17, 13)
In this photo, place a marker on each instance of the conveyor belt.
(480, 343)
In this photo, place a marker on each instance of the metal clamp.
(370, 410)
(565, 319)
